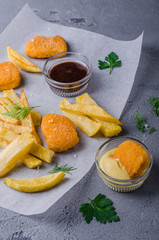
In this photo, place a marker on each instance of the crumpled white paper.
(110, 91)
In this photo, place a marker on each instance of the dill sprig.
(151, 130)
(19, 112)
(62, 168)
(140, 122)
(155, 104)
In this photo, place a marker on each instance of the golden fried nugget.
(9, 76)
(59, 132)
(44, 47)
(133, 157)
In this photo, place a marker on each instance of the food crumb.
(51, 120)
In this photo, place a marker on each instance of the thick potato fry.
(15, 128)
(29, 160)
(6, 102)
(7, 135)
(41, 152)
(14, 152)
(16, 100)
(108, 129)
(85, 99)
(36, 150)
(37, 184)
(6, 118)
(3, 143)
(12, 96)
(36, 118)
(90, 110)
(87, 125)
(28, 122)
(21, 62)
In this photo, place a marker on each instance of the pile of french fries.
(18, 138)
(90, 117)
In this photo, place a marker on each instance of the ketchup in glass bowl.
(67, 73)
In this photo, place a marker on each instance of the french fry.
(36, 118)
(85, 99)
(6, 102)
(31, 161)
(14, 152)
(28, 160)
(84, 123)
(6, 118)
(12, 96)
(41, 152)
(7, 137)
(36, 150)
(90, 110)
(21, 62)
(108, 129)
(37, 184)
(28, 122)
(3, 143)
(16, 100)
(15, 128)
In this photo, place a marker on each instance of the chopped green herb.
(140, 122)
(155, 104)
(151, 130)
(19, 112)
(63, 168)
(110, 62)
(101, 208)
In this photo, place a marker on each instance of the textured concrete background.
(138, 211)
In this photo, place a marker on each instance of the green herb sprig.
(62, 168)
(151, 130)
(155, 104)
(19, 112)
(101, 208)
(140, 122)
(110, 62)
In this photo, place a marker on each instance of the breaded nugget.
(44, 47)
(59, 132)
(9, 76)
(133, 157)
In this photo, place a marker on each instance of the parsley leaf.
(155, 104)
(103, 65)
(101, 208)
(151, 130)
(87, 211)
(110, 62)
(140, 122)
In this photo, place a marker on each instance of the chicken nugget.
(9, 76)
(59, 132)
(133, 157)
(45, 47)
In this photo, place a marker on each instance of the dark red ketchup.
(68, 72)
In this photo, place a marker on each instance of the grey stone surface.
(138, 210)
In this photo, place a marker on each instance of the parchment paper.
(110, 91)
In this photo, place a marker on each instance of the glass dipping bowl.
(67, 89)
(117, 184)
